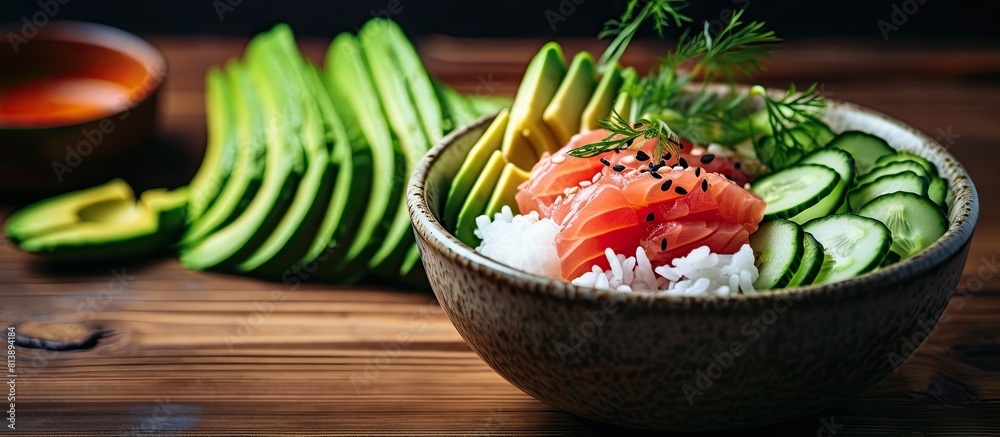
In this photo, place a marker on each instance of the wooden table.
(188, 353)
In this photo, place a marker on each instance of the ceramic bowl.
(692, 363)
(77, 102)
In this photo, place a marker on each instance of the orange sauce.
(51, 83)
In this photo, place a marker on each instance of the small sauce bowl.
(77, 101)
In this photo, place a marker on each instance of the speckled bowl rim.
(964, 215)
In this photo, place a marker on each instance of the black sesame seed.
(650, 217)
(629, 142)
(617, 150)
(737, 165)
(605, 162)
(680, 190)
(681, 145)
(697, 172)
(643, 170)
(705, 159)
(641, 156)
(667, 156)
(637, 126)
(618, 167)
(683, 162)
(704, 185)
(663, 244)
(666, 185)
(655, 175)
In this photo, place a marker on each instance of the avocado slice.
(604, 96)
(352, 89)
(402, 114)
(284, 160)
(220, 151)
(332, 241)
(103, 222)
(472, 167)
(566, 109)
(248, 169)
(503, 194)
(293, 236)
(478, 197)
(527, 136)
(623, 103)
(419, 85)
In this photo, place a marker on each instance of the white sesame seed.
(585, 184)
(572, 190)
(556, 159)
(697, 151)
(597, 177)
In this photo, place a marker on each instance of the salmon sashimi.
(623, 204)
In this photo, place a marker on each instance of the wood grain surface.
(153, 349)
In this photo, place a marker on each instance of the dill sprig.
(794, 119)
(623, 135)
(624, 29)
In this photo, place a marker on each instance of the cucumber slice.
(778, 248)
(836, 159)
(915, 221)
(852, 245)
(864, 147)
(795, 189)
(907, 156)
(829, 205)
(907, 181)
(893, 168)
(938, 191)
(812, 262)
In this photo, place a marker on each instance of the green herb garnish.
(679, 99)
(623, 136)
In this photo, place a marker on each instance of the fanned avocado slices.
(478, 198)
(623, 103)
(352, 90)
(100, 223)
(472, 167)
(284, 161)
(248, 169)
(527, 136)
(506, 188)
(563, 114)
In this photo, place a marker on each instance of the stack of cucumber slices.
(846, 209)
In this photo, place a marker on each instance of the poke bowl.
(692, 362)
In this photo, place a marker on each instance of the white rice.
(523, 241)
(527, 243)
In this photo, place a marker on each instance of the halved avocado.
(473, 165)
(479, 196)
(527, 136)
(103, 222)
(563, 114)
(284, 162)
(603, 98)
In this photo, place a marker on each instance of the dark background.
(946, 20)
